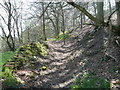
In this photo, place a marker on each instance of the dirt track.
(67, 62)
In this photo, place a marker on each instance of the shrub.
(26, 52)
(9, 79)
(90, 82)
(61, 36)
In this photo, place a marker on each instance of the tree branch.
(115, 28)
(3, 19)
(112, 14)
(3, 31)
(84, 11)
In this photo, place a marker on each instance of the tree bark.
(100, 12)
(81, 21)
(44, 33)
(118, 13)
(11, 43)
(114, 27)
(84, 11)
(28, 34)
(57, 26)
(94, 8)
(63, 23)
(110, 6)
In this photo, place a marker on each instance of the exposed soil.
(83, 52)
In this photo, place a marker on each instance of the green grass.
(9, 79)
(61, 36)
(6, 57)
(90, 82)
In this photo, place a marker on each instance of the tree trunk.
(110, 6)
(11, 43)
(44, 33)
(63, 23)
(118, 13)
(28, 34)
(84, 11)
(81, 26)
(54, 27)
(73, 21)
(57, 30)
(94, 8)
(14, 37)
(18, 33)
(100, 12)
(115, 28)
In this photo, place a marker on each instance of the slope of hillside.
(85, 51)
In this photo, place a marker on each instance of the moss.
(28, 52)
(25, 53)
(34, 48)
(61, 36)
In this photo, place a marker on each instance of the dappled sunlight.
(60, 44)
(115, 83)
(63, 73)
(56, 63)
(77, 53)
(82, 63)
(46, 80)
(43, 60)
(48, 71)
(64, 84)
(62, 67)
(78, 75)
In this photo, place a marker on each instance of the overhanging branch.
(115, 28)
(84, 11)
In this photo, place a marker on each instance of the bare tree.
(11, 22)
(55, 8)
(110, 8)
(44, 33)
(100, 12)
(8, 38)
(40, 16)
(63, 20)
(118, 12)
(94, 5)
(94, 19)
